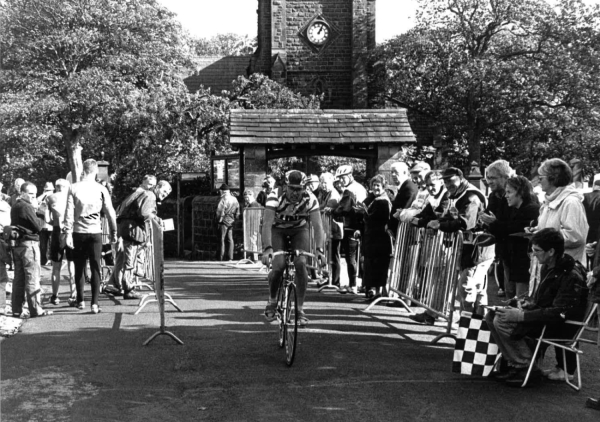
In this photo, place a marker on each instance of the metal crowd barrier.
(153, 268)
(425, 271)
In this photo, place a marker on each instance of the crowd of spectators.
(538, 247)
(70, 222)
(541, 248)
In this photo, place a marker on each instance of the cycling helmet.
(295, 178)
(343, 171)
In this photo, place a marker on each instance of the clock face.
(318, 33)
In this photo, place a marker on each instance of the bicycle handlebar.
(295, 252)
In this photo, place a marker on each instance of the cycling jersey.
(289, 215)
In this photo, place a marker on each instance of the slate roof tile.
(320, 126)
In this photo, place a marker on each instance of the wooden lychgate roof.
(277, 127)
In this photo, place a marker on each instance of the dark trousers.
(87, 246)
(335, 261)
(226, 235)
(45, 236)
(350, 248)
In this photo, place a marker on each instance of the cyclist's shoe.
(302, 320)
(271, 311)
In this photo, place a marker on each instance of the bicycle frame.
(287, 304)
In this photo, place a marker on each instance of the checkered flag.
(475, 351)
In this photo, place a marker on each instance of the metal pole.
(178, 216)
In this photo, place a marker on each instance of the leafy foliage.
(518, 80)
(97, 76)
(225, 45)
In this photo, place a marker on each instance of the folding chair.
(571, 345)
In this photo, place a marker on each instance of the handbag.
(475, 351)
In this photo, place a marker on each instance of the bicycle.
(286, 311)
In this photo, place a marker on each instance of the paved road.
(350, 366)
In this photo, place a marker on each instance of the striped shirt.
(288, 215)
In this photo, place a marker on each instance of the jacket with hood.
(562, 294)
(563, 210)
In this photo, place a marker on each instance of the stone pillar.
(279, 41)
(255, 167)
(261, 60)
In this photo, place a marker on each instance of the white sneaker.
(547, 372)
(559, 375)
(353, 290)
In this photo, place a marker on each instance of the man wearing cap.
(417, 175)
(228, 210)
(312, 184)
(459, 211)
(286, 217)
(268, 187)
(407, 192)
(353, 195)
(46, 232)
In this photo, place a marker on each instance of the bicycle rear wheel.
(291, 324)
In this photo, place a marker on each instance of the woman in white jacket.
(562, 208)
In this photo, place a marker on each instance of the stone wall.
(206, 233)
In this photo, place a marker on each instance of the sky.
(206, 18)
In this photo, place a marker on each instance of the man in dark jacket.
(591, 203)
(407, 192)
(26, 252)
(562, 294)
(459, 211)
(134, 217)
(594, 286)
(496, 176)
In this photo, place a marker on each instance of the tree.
(225, 45)
(500, 77)
(70, 66)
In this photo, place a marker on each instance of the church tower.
(317, 47)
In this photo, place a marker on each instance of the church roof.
(217, 73)
(320, 126)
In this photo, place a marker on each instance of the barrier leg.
(448, 333)
(401, 300)
(146, 299)
(163, 332)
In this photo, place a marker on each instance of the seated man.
(286, 217)
(562, 294)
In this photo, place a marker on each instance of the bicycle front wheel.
(291, 324)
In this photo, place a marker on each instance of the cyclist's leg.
(277, 267)
(300, 240)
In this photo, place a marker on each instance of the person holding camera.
(25, 228)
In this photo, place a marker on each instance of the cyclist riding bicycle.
(286, 216)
